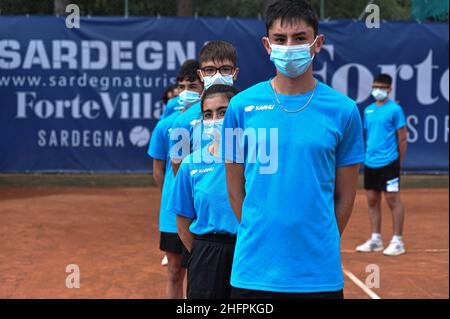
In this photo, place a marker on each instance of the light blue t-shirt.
(172, 106)
(191, 122)
(381, 124)
(159, 149)
(200, 193)
(288, 240)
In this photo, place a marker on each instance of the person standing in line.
(171, 101)
(170, 242)
(218, 65)
(292, 213)
(206, 223)
(386, 144)
(170, 93)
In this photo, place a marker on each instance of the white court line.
(361, 285)
(444, 250)
(436, 250)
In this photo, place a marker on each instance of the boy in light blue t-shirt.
(294, 207)
(386, 143)
(163, 174)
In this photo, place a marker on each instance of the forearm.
(159, 173)
(343, 207)
(402, 140)
(403, 145)
(236, 187)
(345, 194)
(183, 224)
(236, 202)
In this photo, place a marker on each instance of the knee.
(393, 200)
(175, 273)
(373, 201)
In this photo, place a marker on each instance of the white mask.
(218, 78)
(187, 98)
(380, 94)
(213, 129)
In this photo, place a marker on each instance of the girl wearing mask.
(206, 223)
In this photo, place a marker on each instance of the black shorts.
(209, 268)
(170, 242)
(384, 179)
(238, 293)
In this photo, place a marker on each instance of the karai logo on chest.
(202, 171)
(252, 108)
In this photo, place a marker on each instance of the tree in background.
(26, 7)
(430, 10)
(60, 6)
(185, 8)
(333, 9)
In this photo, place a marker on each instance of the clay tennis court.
(110, 231)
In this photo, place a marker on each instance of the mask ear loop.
(268, 41)
(202, 77)
(315, 40)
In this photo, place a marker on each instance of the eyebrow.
(285, 35)
(219, 109)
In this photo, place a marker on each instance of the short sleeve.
(364, 120)
(181, 201)
(167, 109)
(232, 149)
(179, 142)
(170, 108)
(399, 118)
(196, 136)
(165, 113)
(350, 150)
(158, 144)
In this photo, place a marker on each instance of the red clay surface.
(112, 235)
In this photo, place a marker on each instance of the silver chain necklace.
(302, 107)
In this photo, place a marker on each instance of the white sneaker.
(370, 246)
(395, 249)
(164, 262)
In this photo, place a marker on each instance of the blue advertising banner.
(87, 99)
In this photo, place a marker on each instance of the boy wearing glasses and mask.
(217, 66)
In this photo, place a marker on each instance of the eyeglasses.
(212, 70)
